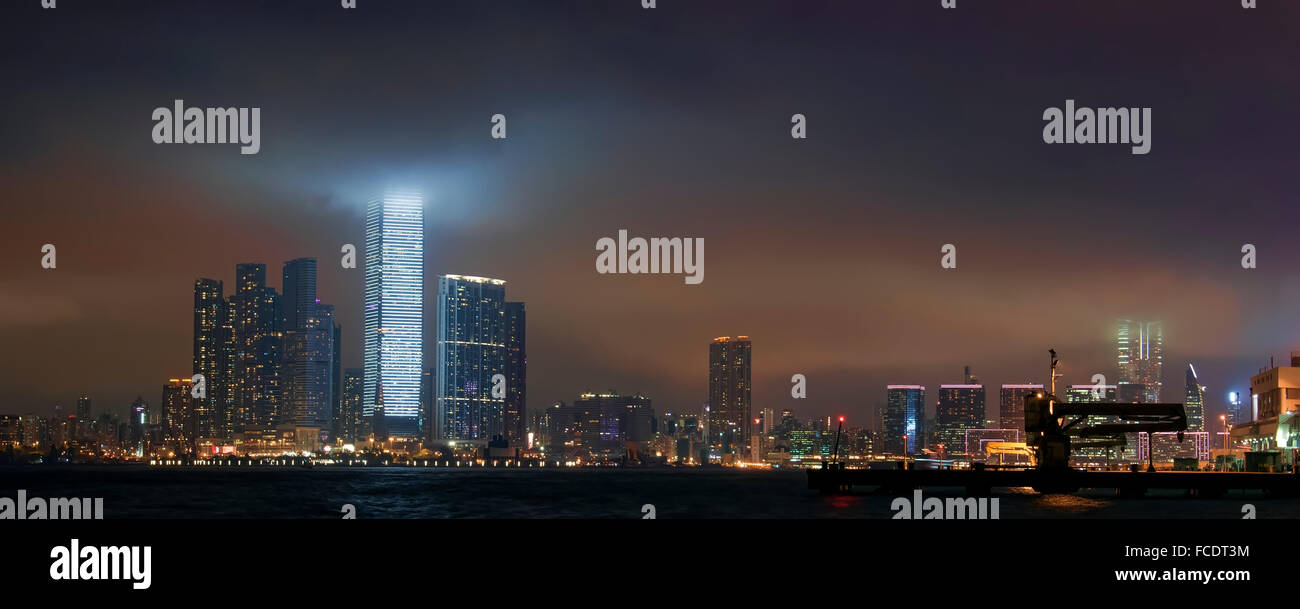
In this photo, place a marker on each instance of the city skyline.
(656, 123)
(252, 276)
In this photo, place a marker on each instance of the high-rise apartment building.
(516, 414)
(254, 351)
(211, 348)
(307, 368)
(351, 426)
(1011, 405)
(178, 416)
(729, 419)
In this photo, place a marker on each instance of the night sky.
(924, 128)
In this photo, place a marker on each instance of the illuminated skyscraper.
(516, 374)
(210, 351)
(1011, 406)
(961, 407)
(253, 376)
(1141, 357)
(903, 420)
(178, 416)
(471, 351)
(137, 426)
(394, 313)
(352, 426)
(299, 287)
(1194, 402)
(306, 375)
(729, 394)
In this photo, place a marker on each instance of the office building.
(471, 352)
(1194, 401)
(1141, 358)
(961, 407)
(903, 420)
(394, 313)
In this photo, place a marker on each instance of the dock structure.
(981, 482)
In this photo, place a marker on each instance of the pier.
(981, 482)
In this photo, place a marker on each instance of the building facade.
(903, 420)
(393, 350)
(471, 352)
(1194, 401)
(307, 369)
(960, 407)
(254, 351)
(516, 408)
(729, 417)
(1011, 405)
(1140, 357)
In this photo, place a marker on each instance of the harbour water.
(401, 492)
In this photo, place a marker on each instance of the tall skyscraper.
(336, 377)
(1141, 357)
(1011, 405)
(83, 408)
(961, 407)
(729, 417)
(516, 374)
(352, 426)
(299, 300)
(428, 406)
(137, 426)
(178, 416)
(211, 348)
(394, 313)
(308, 366)
(471, 351)
(256, 337)
(1235, 413)
(903, 420)
(1194, 401)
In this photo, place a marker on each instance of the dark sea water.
(399, 492)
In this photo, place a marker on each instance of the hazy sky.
(924, 128)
